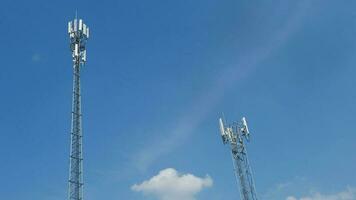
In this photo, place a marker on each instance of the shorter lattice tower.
(235, 134)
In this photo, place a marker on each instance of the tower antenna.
(78, 34)
(235, 135)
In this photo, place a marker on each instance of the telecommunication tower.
(79, 34)
(235, 134)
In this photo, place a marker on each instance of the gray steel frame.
(78, 40)
(235, 137)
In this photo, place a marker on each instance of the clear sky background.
(159, 75)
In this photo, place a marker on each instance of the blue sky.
(159, 74)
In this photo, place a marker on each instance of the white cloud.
(170, 185)
(348, 194)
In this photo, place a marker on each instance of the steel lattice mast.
(78, 33)
(235, 135)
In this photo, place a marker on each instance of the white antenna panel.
(69, 27)
(76, 50)
(222, 129)
(84, 56)
(244, 123)
(84, 29)
(75, 25)
(80, 24)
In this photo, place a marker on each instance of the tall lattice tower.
(79, 34)
(235, 134)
